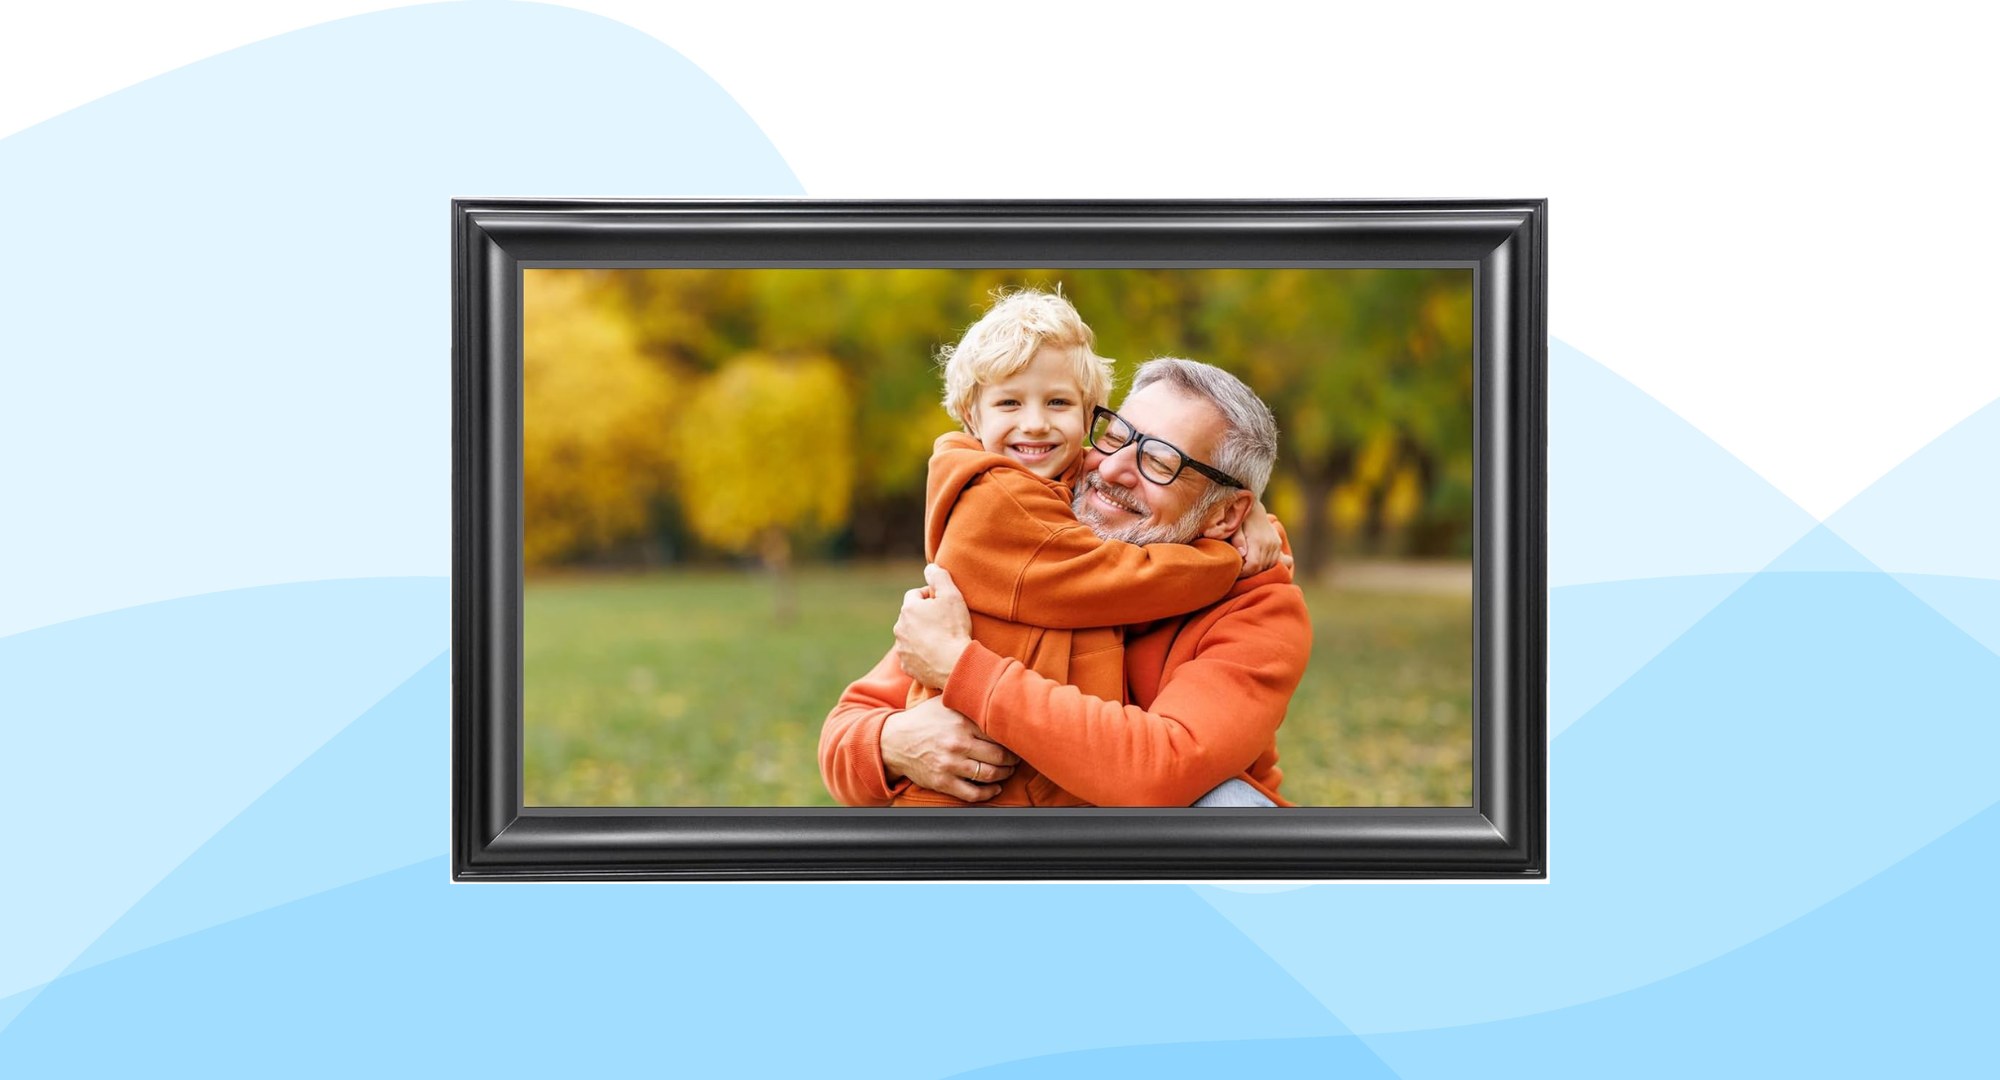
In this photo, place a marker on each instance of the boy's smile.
(1031, 453)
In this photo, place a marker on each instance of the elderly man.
(1206, 691)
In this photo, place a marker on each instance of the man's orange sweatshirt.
(1208, 692)
(1042, 587)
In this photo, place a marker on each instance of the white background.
(1776, 221)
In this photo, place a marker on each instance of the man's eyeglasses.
(1159, 460)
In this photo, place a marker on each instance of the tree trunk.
(1312, 538)
(776, 552)
(1416, 454)
(1312, 543)
(1425, 535)
(1373, 523)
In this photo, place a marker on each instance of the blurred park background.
(723, 505)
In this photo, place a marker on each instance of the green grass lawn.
(681, 689)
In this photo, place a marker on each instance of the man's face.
(1118, 503)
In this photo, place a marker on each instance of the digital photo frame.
(499, 835)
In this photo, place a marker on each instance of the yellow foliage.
(1405, 498)
(1366, 370)
(901, 450)
(1448, 314)
(1311, 431)
(594, 447)
(1282, 497)
(1378, 453)
(766, 444)
(1350, 505)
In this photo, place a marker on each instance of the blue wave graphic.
(1821, 552)
(374, 798)
(1651, 524)
(1938, 512)
(1637, 492)
(131, 737)
(1972, 604)
(1895, 978)
(1599, 634)
(12, 1004)
(686, 977)
(274, 404)
(1344, 1056)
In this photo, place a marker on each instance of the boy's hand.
(933, 630)
(1257, 540)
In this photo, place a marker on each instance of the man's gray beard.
(1183, 531)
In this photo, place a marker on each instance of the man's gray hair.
(1249, 442)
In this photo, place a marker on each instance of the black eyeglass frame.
(1140, 439)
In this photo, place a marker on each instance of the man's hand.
(1258, 541)
(934, 628)
(940, 749)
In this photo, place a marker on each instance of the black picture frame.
(1502, 835)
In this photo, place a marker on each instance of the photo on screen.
(729, 492)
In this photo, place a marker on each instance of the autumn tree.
(594, 450)
(765, 449)
(1369, 373)
(1368, 370)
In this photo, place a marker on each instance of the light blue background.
(1773, 759)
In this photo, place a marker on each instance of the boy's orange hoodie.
(1043, 588)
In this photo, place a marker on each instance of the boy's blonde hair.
(1007, 337)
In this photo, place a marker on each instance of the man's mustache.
(1123, 495)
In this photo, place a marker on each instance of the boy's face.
(1035, 416)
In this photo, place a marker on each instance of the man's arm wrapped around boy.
(1216, 712)
(850, 742)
